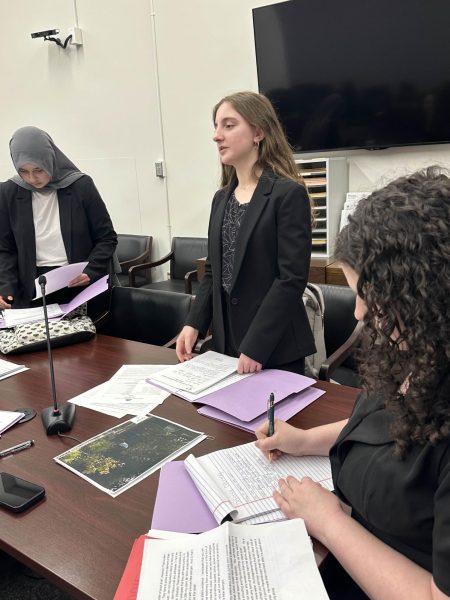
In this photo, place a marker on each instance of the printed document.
(129, 385)
(8, 368)
(196, 375)
(239, 482)
(233, 562)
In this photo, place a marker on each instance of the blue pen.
(271, 419)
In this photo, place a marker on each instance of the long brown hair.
(274, 153)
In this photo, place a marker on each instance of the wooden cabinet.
(321, 270)
(327, 182)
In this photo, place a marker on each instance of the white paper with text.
(233, 562)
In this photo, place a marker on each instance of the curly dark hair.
(398, 242)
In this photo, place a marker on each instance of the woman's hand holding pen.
(285, 439)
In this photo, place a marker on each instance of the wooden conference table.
(78, 537)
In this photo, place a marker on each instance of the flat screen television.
(356, 73)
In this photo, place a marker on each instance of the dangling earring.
(256, 145)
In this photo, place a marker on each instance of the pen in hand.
(271, 419)
(16, 448)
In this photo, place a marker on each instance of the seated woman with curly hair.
(391, 460)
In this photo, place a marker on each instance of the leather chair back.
(339, 323)
(143, 315)
(339, 320)
(134, 250)
(186, 250)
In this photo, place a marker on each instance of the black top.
(405, 503)
(232, 218)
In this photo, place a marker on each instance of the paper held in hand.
(196, 375)
(19, 316)
(233, 562)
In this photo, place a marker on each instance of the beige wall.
(101, 104)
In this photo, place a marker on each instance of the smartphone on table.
(17, 494)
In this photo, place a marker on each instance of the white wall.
(100, 102)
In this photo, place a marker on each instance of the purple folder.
(284, 410)
(179, 506)
(247, 399)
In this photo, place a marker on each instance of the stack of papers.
(192, 379)
(57, 279)
(8, 419)
(126, 393)
(238, 400)
(216, 564)
(8, 368)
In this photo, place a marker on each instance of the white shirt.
(50, 250)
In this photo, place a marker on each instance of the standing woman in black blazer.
(51, 214)
(259, 245)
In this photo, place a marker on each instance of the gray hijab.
(32, 145)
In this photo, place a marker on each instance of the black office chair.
(150, 316)
(183, 267)
(134, 250)
(342, 333)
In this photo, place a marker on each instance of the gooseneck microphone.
(55, 419)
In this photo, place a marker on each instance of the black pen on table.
(16, 448)
(271, 419)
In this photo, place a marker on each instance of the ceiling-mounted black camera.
(44, 34)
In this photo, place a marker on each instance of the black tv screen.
(356, 73)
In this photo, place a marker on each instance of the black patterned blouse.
(232, 219)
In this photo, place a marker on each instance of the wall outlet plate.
(77, 36)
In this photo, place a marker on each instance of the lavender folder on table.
(285, 409)
(179, 506)
(247, 399)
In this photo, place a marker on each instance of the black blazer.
(273, 249)
(86, 228)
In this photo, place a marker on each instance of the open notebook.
(238, 483)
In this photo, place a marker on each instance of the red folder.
(129, 583)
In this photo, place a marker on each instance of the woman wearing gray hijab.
(51, 214)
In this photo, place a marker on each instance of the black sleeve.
(441, 529)
(101, 229)
(8, 252)
(200, 315)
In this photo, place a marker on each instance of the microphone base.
(58, 423)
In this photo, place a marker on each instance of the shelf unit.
(327, 182)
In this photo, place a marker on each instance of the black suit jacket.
(273, 249)
(86, 228)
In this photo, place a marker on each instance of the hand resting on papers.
(6, 303)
